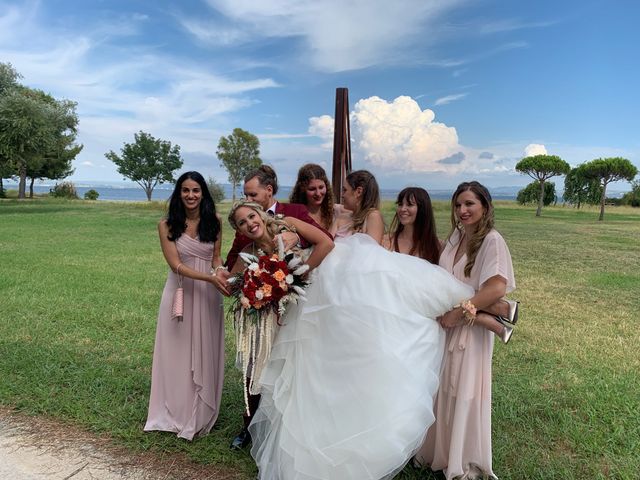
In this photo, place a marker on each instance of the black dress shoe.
(242, 440)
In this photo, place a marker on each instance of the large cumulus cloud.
(399, 135)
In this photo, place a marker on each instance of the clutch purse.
(177, 310)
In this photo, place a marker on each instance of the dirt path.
(32, 448)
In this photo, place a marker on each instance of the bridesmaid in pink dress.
(413, 228)
(188, 357)
(361, 210)
(459, 442)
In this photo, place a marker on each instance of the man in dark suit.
(260, 186)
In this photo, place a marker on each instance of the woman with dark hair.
(313, 190)
(413, 228)
(459, 442)
(188, 357)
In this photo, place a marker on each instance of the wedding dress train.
(349, 387)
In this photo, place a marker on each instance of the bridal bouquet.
(268, 283)
(261, 294)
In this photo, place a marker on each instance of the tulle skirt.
(348, 391)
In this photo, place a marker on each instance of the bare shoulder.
(375, 215)
(163, 226)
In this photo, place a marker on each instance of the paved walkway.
(28, 455)
(37, 448)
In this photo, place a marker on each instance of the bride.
(348, 390)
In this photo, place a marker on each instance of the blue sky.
(440, 91)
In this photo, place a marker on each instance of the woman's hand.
(451, 319)
(220, 280)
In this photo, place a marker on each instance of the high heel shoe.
(514, 307)
(507, 331)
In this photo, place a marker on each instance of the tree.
(215, 189)
(8, 80)
(148, 161)
(239, 153)
(607, 170)
(579, 189)
(56, 162)
(531, 193)
(541, 168)
(8, 77)
(633, 197)
(30, 124)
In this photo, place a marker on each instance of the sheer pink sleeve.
(495, 259)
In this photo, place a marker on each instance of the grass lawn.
(80, 285)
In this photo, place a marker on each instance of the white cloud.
(449, 98)
(322, 127)
(399, 135)
(121, 90)
(335, 35)
(213, 33)
(511, 24)
(534, 149)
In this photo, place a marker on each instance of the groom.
(260, 186)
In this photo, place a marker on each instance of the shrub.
(216, 190)
(91, 195)
(64, 190)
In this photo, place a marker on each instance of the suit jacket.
(294, 210)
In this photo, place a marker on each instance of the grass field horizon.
(80, 285)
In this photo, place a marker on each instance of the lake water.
(162, 193)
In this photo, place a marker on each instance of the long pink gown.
(188, 357)
(459, 441)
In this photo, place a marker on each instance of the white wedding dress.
(348, 391)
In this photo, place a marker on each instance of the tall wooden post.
(341, 143)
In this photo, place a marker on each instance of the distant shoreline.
(127, 193)
(136, 194)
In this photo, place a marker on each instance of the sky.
(440, 91)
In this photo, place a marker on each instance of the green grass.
(80, 285)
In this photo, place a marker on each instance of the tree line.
(586, 183)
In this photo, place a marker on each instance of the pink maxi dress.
(188, 357)
(459, 441)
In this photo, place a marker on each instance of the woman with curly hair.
(313, 190)
(459, 442)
